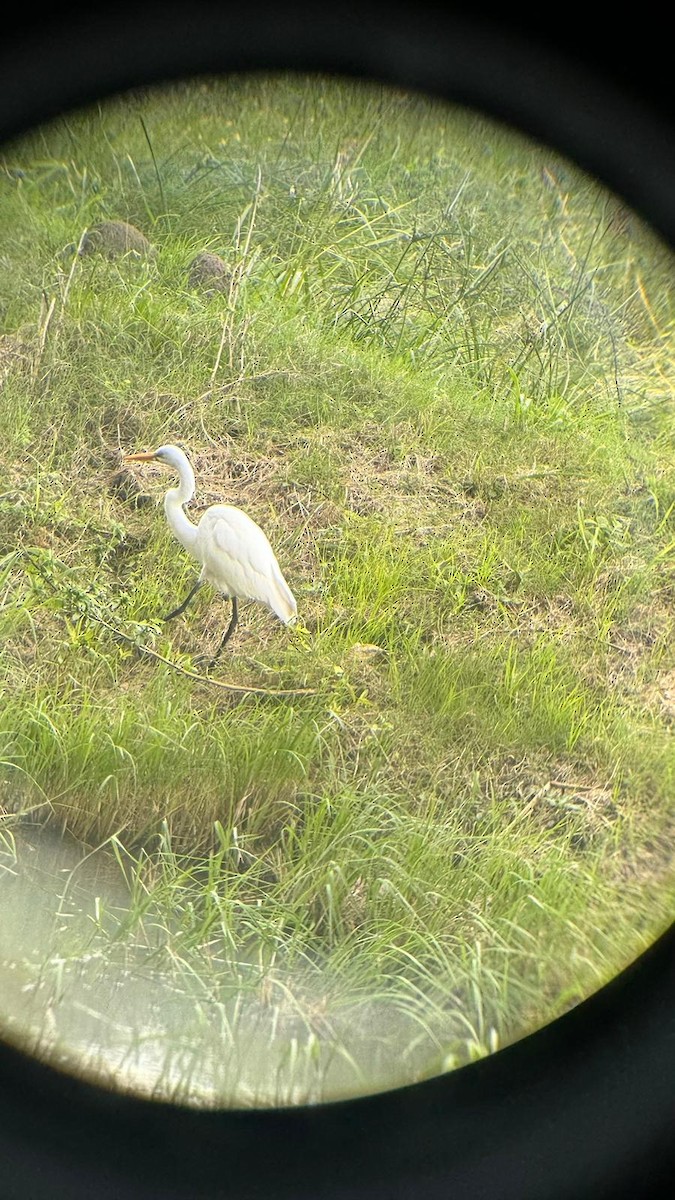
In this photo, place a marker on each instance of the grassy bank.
(437, 378)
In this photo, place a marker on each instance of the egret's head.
(171, 455)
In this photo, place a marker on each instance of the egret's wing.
(239, 560)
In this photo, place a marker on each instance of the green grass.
(439, 382)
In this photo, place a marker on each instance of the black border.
(585, 1107)
(582, 1108)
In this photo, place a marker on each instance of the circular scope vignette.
(336, 549)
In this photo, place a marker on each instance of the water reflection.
(124, 1008)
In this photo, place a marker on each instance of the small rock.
(365, 651)
(114, 239)
(209, 273)
(127, 488)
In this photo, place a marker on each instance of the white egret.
(235, 554)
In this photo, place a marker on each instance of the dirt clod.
(209, 273)
(126, 487)
(114, 239)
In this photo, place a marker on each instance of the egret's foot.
(176, 612)
(204, 662)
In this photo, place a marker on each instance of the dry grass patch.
(16, 354)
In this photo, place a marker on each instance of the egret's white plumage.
(238, 560)
(234, 553)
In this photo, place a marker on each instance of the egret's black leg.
(181, 607)
(228, 632)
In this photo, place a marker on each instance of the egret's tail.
(281, 599)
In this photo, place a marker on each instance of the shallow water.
(124, 1009)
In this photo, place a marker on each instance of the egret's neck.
(174, 500)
